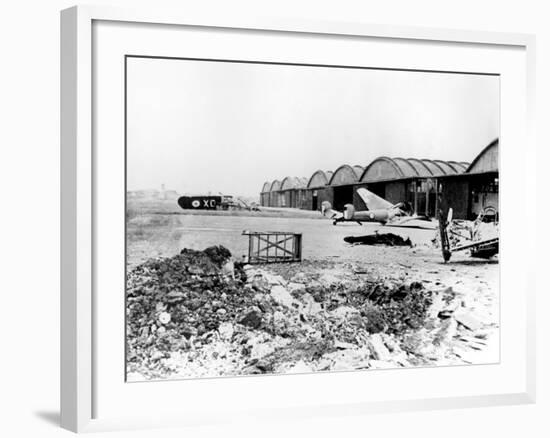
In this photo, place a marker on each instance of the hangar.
(426, 185)
(342, 185)
(274, 195)
(317, 190)
(264, 194)
(292, 192)
(476, 189)
(410, 180)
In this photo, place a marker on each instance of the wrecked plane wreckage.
(378, 210)
(480, 236)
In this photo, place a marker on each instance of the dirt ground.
(162, 231)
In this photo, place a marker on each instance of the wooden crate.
(273, 247)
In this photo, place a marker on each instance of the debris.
(310, 306)
(252, 319)
(327, 278)
(344, 360)
(381, 364)
(378, 348)
(296, 287)
(274, 279)
(388, 239)
(480, 237)
(300, 367)
(226, 330)
(446, 333)
(468, 320)
(188, 316)
(260, 350)
(218, 254)
(343, 312)
(282, 296)
(164, 318)
(343, 345)
(467, 356)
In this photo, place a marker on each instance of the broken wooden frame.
(273, 247)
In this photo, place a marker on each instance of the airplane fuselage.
(383, 212)
(381, 215)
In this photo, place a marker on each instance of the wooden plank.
(474, 244)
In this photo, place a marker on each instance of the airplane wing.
(334, 214)
(372, 201)
(404, 222)
(327, 211)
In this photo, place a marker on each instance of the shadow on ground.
(472, 262)
(51, 417)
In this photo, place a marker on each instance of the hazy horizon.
(200, 127)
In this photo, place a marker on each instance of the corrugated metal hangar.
(475, 189)
(292, 192)
(408, 180)
(426, 185)
(317, 190)
(341, 185)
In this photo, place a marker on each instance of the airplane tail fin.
(328, 211)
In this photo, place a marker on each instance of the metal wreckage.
(480, 237)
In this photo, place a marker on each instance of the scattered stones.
(300, 278)
(343, 312)
(343, 345)
(345, 360)
(378, 348)
(273, 279)
(226, 330)
(468, 320)
(252, 319)
(296, 288)
(300, 367)
(260, 350)
(281, 296)
(381, 364)
(200, 314)
(329, 278)
(447, 332)
(164, 317)
(310, 306)
(228, 268)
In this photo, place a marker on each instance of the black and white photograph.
(295, 218)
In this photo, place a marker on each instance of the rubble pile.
(198, 314)
(171, 300)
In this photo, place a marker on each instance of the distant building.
(427, 185)
(152, 194)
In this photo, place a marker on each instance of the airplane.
(379, 210)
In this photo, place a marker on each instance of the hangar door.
(342, 195)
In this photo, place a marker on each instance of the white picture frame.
(79, 249)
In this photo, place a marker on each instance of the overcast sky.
(201, 127)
